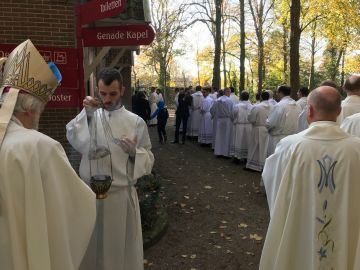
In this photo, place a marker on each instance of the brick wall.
(47, 23)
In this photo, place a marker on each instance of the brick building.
(53, 24)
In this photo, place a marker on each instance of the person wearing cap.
(162, 116)
(47, 213)
(117, 240)
(312, 186)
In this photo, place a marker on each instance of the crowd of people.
(308, 157)
(235, 127)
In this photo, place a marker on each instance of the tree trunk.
(260, 64)
(242, 45)
(312, 68)
(224, 56)
(343, 69)
(285, 53)
(216, 69)
(294, 46)
(198, 64)
(336, 67)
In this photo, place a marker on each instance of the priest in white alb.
(272, 101)
(117, 241)
(222, 111)
(312, 185)
(47, 213)
(153, 99)
(283, 118)
(302, 95)
(197, 99)
(351, 124)
(259, 136)
(233, 96)
(206, 124)
(241, 133)
(351, 104)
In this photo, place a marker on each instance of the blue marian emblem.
(327, 166)
(327, 173)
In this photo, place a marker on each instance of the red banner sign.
(66, 59)
(99, 9)
(124, 35)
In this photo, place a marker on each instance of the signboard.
(124, 35)
(66, 59)
(99, 9)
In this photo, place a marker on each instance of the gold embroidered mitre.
(27, 70)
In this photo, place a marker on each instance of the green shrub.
(148, 188)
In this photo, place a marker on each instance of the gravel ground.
(218, 213)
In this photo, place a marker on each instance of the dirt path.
(217, 211)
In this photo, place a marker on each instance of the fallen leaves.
(208, 187)
(242, 225)
(256, 237)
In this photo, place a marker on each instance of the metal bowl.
(100, 184)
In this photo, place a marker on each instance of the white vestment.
(351, 124)
(214, 121)
(302, 102)
(259, 136)
(282, 121)
(240, 136)
(47, 214)
(234, 98)
(349, 106)
(153, 99)
(312, 185)
(117, 242)
(206, 124)
(176, 101)
(197, 99)
(272, 102)
(214, 96)
(159, 98)
(302, 120)
(223, 113)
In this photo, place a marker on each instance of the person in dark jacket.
(162, 115)
(182, 114)
(142, 107)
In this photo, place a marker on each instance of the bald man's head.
(324, 104)
(352, 84)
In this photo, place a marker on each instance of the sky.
(198, 36)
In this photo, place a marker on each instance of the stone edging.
(159, 229)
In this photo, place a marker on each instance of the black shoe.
(175, 141)
(183, 142)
